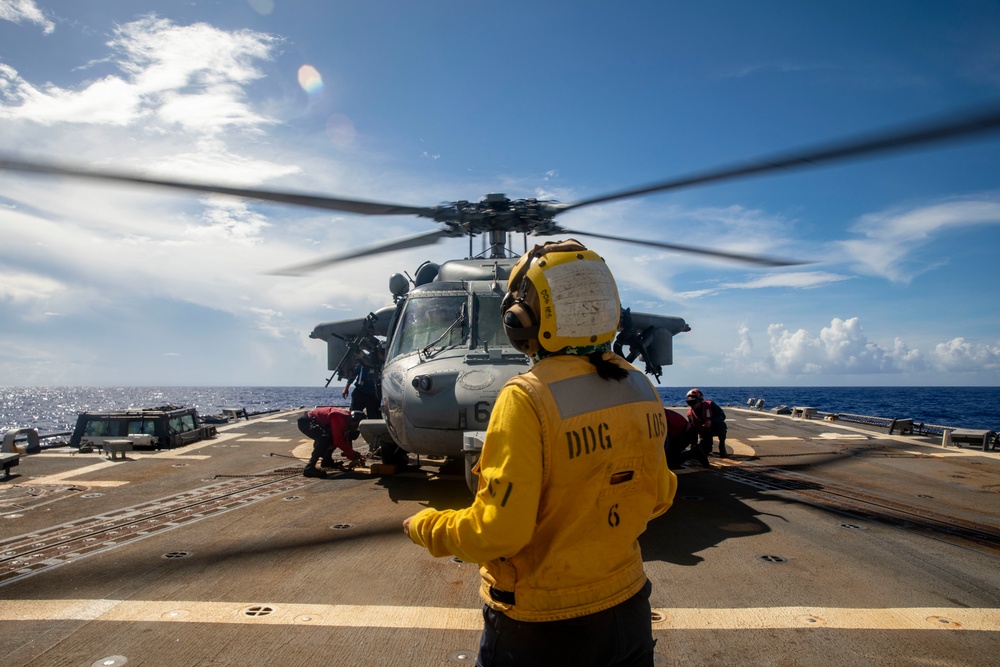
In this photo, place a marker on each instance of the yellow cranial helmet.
(560, 294)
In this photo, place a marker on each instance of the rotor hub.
(496, 212)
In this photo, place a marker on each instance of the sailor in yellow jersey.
(571, 471)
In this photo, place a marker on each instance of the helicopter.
(446, 356)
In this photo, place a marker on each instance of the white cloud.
(108, 101)
(186, 77)
(650, 270)
(794, 279)
(22, 287)
(791, 280)
(228, 219)
(25, 10)
(841, 348)
(891, 237)
(961, 356)
(741, 358)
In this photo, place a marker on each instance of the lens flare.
(310, 80)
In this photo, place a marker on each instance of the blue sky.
(420, 103)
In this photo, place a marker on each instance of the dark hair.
(607, 369)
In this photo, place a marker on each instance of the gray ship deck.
(817, 543)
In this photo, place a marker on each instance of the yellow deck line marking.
(446, 618)
(896, 618)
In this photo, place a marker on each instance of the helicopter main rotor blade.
(428, 238)
(295, 199)
(721, 254)
(951, 128)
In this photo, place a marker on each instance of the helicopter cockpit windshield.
(489, 328)
(435, 321)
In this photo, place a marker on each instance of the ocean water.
(961, 407)
(54, 409)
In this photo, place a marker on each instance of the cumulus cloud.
(841, 347)
(17, 11)
(959, 355)
(741, 358)
(891, 237)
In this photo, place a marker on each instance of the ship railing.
(918, 428)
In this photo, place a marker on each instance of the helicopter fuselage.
(447, 356)
(446, 362)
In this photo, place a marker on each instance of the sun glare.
(310, 80)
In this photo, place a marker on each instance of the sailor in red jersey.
(330, 428)
(680, 436)
(708, 420)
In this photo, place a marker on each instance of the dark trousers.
(322, 440)
(367, 403)
(677, 449)
(719, 431)
(618, 637)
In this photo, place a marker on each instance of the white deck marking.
(445, 618)
(63, 477)
(269, 439)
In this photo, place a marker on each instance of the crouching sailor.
(572, 469)
(330, 428)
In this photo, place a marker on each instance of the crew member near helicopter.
(680, 436)
(572, 469)
(365, 380)
(330, 428)
(708, 420)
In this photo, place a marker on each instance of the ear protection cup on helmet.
(519, 320)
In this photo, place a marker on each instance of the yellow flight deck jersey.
(572, 469)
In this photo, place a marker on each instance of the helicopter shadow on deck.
(428, 489)
(707, 510)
